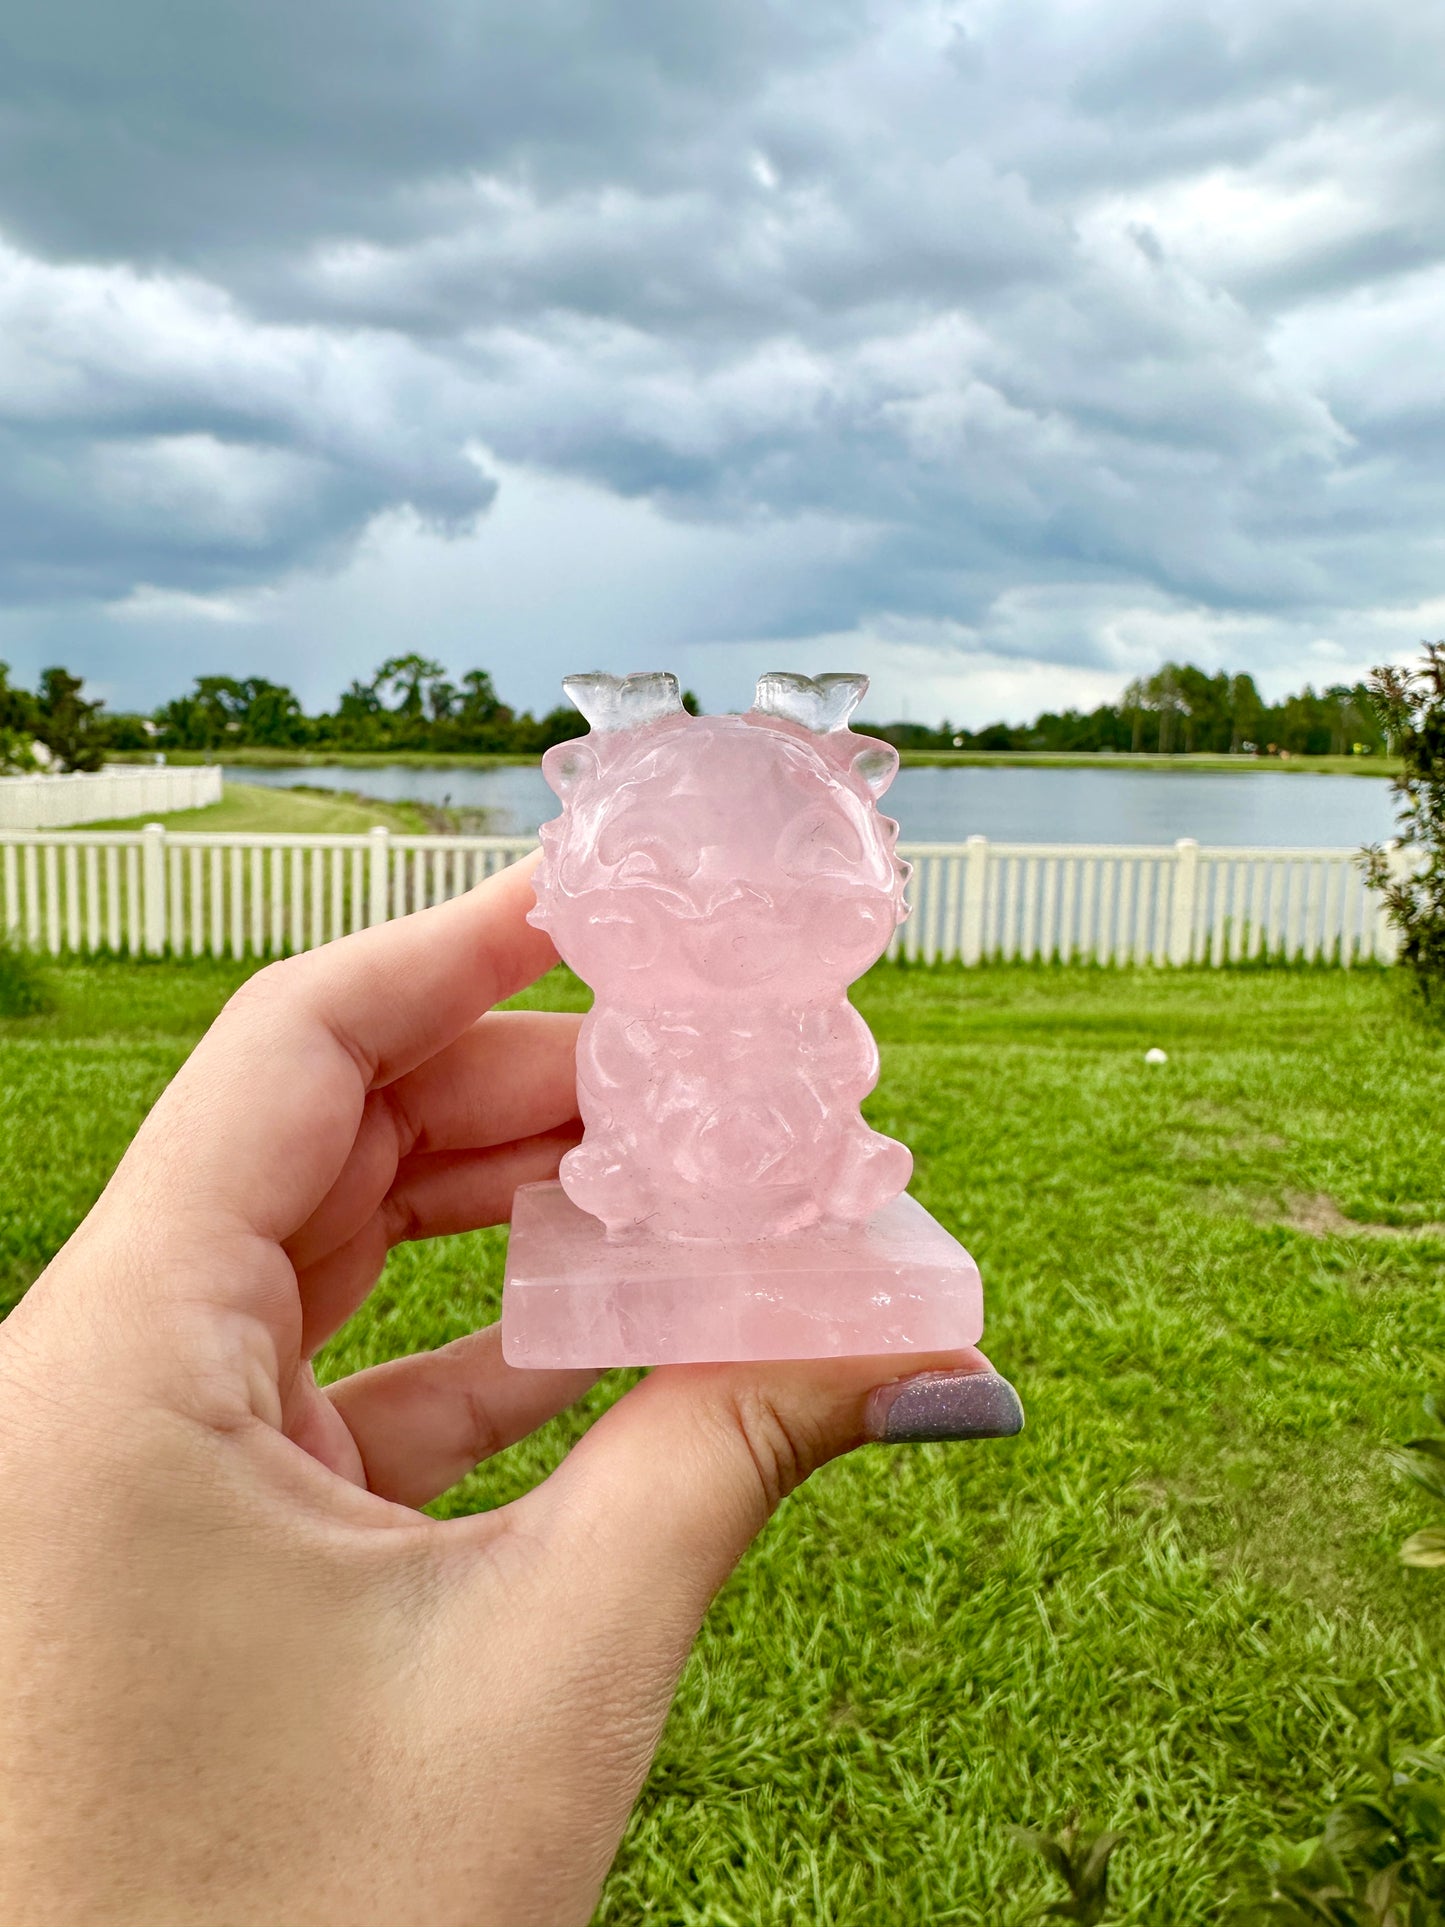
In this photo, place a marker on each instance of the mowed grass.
(252, 809)
(1173, 1605)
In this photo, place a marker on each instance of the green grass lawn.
(1172, 1605)
(251, 809)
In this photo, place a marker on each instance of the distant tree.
(531, 735)
(127, 729)
(478, 720)
(1171, 705)
(480, 702)
(1160, 695)
(1353, 724)
(1245, 709)
(1205, 703)
(181, 724)
(221, 710)
(1071, 731)
(17, 706)
(1108, 728)
(1298, 724)
(67, 724)
(1135, 705)
(18, 724)
(408, 678)
(272, 714)
(357, 722)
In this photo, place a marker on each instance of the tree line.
(411, 704)
(1180, 709)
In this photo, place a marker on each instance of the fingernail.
(945, 1405)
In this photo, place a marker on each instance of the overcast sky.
(1001, 348)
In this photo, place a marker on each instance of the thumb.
(643, 1521)
(664, 1495)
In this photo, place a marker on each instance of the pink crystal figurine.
(720, 881)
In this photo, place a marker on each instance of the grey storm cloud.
(1134, 296)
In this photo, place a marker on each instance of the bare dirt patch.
(1317, 1214)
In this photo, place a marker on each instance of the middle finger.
(434, 1196)
(512, 1075)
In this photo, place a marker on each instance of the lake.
(1270, 808)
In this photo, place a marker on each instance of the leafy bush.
(1081, 1860)
(1410, 704)
(24, 989)
(17, 758)
(1427, 1469)
(1377, 1861)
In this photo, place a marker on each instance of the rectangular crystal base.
(577, 1295)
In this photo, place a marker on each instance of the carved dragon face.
(729, 853)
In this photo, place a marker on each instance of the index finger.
(259, 1121)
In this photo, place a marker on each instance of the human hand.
(242, 1679)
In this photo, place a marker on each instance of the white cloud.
(158, 430)
(147, 604)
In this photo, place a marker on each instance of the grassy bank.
(1198, 765)
(1172, 1604)
(324, 758)
(1209, 765)
(251, 809)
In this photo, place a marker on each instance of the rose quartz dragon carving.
(720, 881)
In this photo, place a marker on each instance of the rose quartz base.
(576, 1296)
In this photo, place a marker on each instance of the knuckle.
(399, 1220)
(267, 987)
(395, 1103)
(483, 1438)
(782, 1446)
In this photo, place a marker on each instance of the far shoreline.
(1200, 763)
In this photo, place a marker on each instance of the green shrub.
(1410, 704)
(17, 758)
(1377, 1861)
(1427, 1468)
(1081, 1860)
(24, 988)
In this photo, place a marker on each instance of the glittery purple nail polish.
(945, 1405)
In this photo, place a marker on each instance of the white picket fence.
(154, 892)
(1141, 903)
(53, 802)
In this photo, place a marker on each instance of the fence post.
(975, 887)
(153, 887)
(380, 874)
(1186, 895)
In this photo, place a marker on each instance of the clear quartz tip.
(624, 702)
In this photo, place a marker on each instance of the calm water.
(946, 805)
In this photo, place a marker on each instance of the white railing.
(153, 892)
(52, 802)
(1140, 903)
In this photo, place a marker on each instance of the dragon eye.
(822, 842)
(640, 863)
(643, 853)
